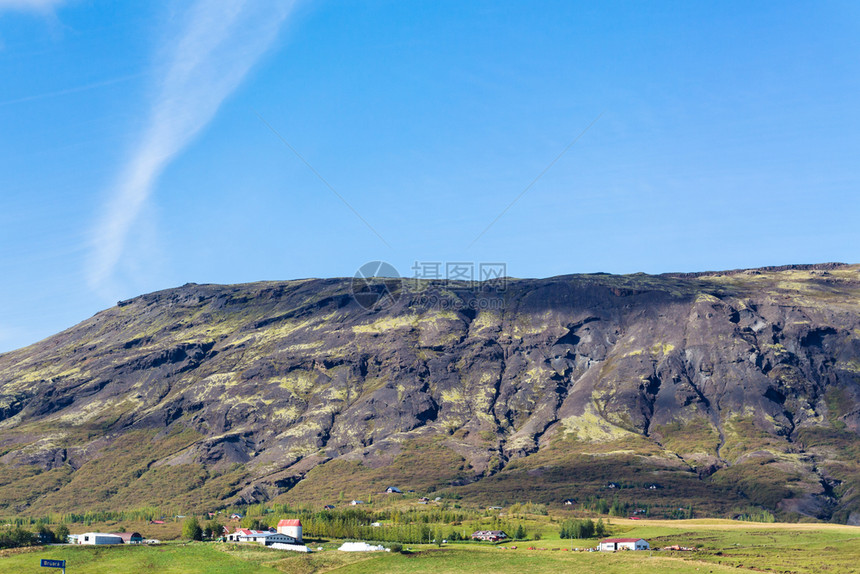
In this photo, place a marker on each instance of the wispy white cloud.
(216, 43)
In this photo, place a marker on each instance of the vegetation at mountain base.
(718, 546)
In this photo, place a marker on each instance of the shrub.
(16, 537)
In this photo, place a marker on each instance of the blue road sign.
(53, 563)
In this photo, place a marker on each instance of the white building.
(292, 528)
(99, 538)
(264, 537)
(613, 544)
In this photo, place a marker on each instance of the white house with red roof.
(292, 528)
(613, 544)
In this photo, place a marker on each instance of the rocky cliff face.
(718, 390)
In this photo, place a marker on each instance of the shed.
(99, 538)
(613, 544)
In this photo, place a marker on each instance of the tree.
(62, 533)
(254, 523)
(16, 537)
(578, 528)
(520, 533)
(191, 529)
(600, 529)
(213, 529)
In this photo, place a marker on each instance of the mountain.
(714, 391)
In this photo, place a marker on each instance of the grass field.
(724, 546)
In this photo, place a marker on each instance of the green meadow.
(721, 546)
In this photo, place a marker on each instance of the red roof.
(621, 540)
(294, 522)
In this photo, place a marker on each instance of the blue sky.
(135, 153)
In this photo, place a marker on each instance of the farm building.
(613, 544)
(129, 537)
(263, 537)
(234, 536)
(356, 502)
(292, 528)
(393, 490)
(99, 538)
(490, 535)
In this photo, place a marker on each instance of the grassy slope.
(726, 546)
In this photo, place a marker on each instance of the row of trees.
(17, 537)
(755, 514)
(586, 528)
(91, 517)
(357, 524)
(427, 515)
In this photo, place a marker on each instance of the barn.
(99, 538)
(613, 544)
